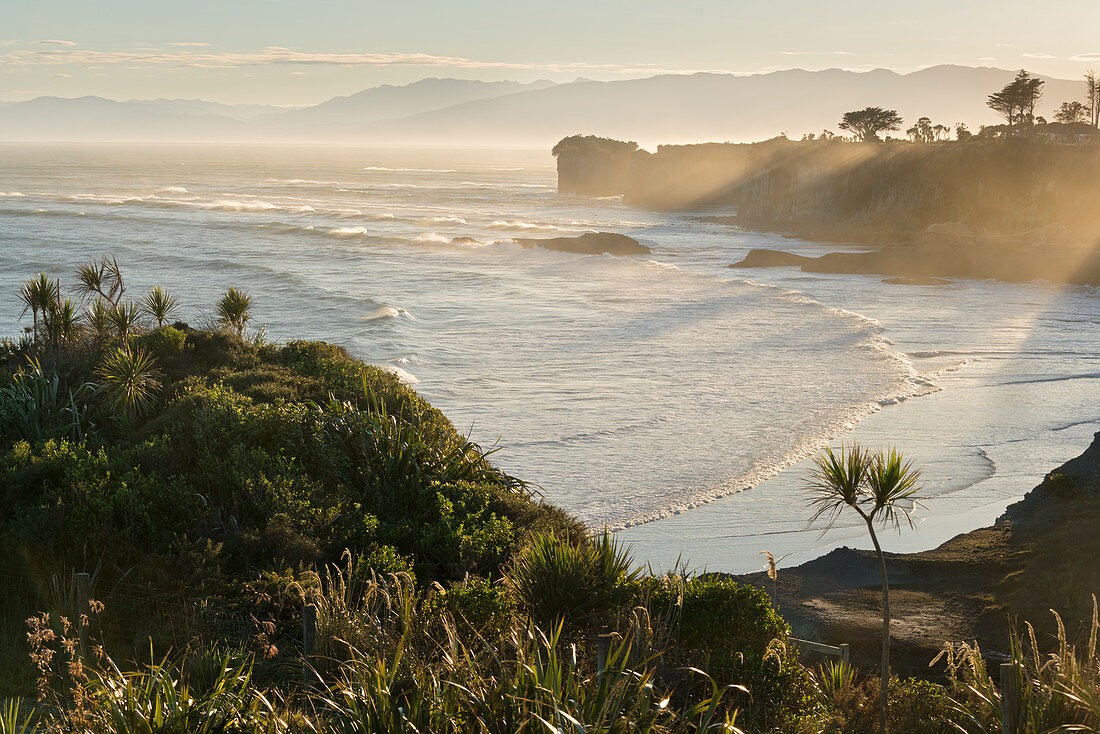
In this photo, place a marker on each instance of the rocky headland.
(1013, 210)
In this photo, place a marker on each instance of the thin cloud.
(817, 53)
(273, 56)
(189, 43)
(1092, 56)
(57, 42)
(1039, 56)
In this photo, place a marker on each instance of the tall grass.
(1059, 690)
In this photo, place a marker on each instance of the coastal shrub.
(63, 497)
(848, 701)
(479, 608)
(732, 631)
(559, 581)
(162, 343)
(130, 381)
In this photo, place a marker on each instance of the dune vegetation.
(281, 538)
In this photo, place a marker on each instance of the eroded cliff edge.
(1009, 209)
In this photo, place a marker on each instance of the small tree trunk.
(884, 700)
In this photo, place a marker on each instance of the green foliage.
(159, 305)
(478, 607)
(559, 581)
(38, 295)
(234, 310)
(101, 279)
(16, 718)
(64, 496)
(162, 343)
(124, 319)
(130, 381)
(847, 703)
(98, 318)
(62, 323)
(33, 406)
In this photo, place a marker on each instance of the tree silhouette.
(1071, 112)
(880, 487)
(1092, 96)
(869, 122)
(1016, 101)
(922, 132)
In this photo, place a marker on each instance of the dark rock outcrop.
(590, 243)
(771, 259)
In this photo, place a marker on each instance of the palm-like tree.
(39, 294)
(98, 316)
(881, 488)
(124, 317)
(160, 305)
(130, 381)
(235, 310)
(101, 278)
(62, 323)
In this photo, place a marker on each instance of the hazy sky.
(304, 51)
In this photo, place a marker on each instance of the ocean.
(666, 396)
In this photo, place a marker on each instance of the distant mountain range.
(660, 109)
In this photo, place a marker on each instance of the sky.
(301, 52)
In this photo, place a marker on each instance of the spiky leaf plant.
(124, 319)
(881, 488)
(160, 305)
(98, 318)
(63, 324)
(130, 381)
(557, 579)
(234, 310)
(101, 278)
(38, 295)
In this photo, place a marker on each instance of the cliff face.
(592, 166)
(850, 191)
(897, 192)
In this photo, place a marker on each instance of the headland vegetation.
(208, 531)
(1009, 202)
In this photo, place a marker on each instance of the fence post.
(309, 641)
(1010, 698)
(603, 649)
(845, 656)
(83, 596)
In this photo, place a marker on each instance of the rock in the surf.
(590, 243)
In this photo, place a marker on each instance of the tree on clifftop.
(1071, 112)
(1017, 100)
(869, 122)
